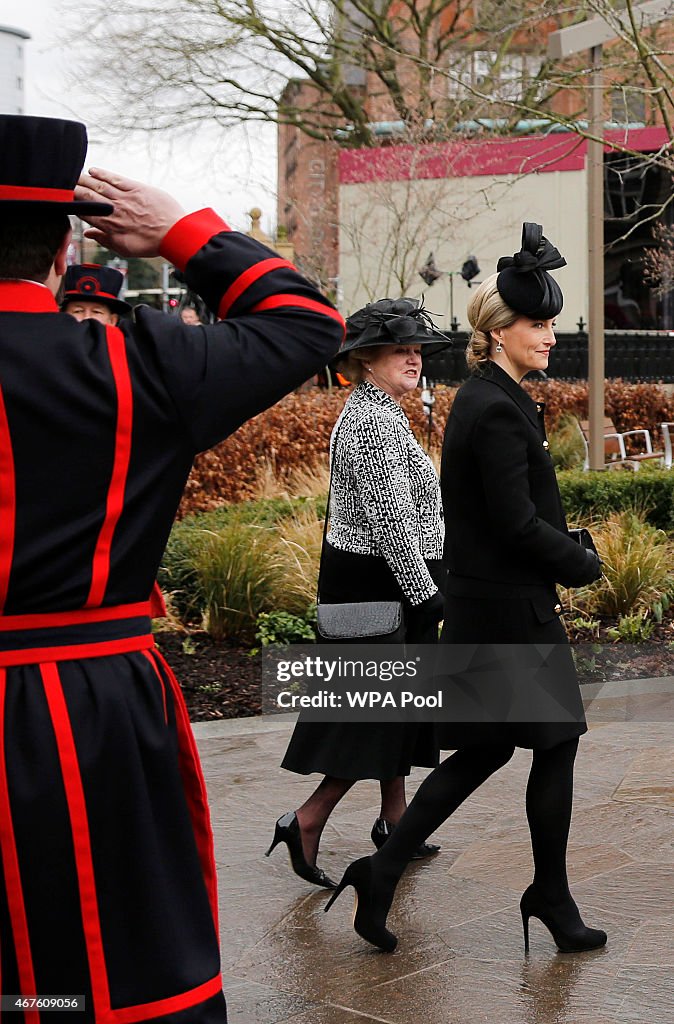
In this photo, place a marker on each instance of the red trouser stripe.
(115, 502)
(7, 502)
(195, 789)
(10, 864)
(246, 279)
(79, 823)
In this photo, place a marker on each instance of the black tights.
(549, 800)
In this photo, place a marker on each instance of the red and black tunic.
(106, 848)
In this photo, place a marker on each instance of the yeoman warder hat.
(523, 280)
(392, 322)
(90, 282)
(41, 159)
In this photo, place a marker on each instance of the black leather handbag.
(380, 622)
(361, 622)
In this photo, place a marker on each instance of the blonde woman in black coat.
(506, 547)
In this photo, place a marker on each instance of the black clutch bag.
(583, 537)
(361, 622)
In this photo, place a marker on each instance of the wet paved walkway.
(460, 957)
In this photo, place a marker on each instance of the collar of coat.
(369, 393)
(494, 374)
(18, 296)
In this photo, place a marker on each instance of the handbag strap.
(327, 509)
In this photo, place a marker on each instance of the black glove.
(430, 610)
(594, 567)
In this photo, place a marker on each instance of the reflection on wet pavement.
(460, 957)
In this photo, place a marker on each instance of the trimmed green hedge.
(595, 495)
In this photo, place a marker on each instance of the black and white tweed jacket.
(385, 497)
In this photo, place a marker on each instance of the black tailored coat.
(107, 887)
(506, 548)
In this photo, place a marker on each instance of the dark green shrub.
(650, 491)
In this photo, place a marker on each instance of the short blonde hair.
(487, 312)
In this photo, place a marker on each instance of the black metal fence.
(632, 355)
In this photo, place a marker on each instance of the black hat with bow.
(523, 280)
(392, 322)
(41, 159)
(89, 282)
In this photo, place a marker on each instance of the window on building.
(505, 77)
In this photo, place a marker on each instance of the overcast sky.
(197, 171)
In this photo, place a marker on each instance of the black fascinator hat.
(523, 280)
(392, 322)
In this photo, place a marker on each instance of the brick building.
(346, 210)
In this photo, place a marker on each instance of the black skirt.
(518, 621)
(367, 750)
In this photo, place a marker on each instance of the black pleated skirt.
(367, 750)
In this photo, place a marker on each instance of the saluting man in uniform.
(108, 878)
(91, 292)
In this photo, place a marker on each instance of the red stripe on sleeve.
(245, 280)
(279, 301)
(7, 503)
(190, 234)
(12, 875)
(79, 823)
(115, 502)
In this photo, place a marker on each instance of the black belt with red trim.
(83, 633)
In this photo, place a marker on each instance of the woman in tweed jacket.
(384, 543)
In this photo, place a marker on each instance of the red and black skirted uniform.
(106, 848)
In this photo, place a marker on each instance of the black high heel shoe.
(369, 918)
(382, 829)
(287, 831)
(563, 921)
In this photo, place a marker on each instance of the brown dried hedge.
(295, 432)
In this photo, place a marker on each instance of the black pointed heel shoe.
(287, 831)
(372, 906)
(382, 829)
(563, 921)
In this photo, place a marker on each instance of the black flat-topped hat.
(523, 280)
(392, 322)
(89, 282)
(41, 159)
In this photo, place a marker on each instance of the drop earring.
(499, 347)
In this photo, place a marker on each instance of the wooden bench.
(615, 450)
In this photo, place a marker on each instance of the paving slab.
(460, 957)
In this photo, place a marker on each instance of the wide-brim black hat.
(523, 280)
(90, 282)
(41, 159)
(392, 322)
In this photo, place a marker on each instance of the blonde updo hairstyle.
(355, 362)
(487, 311)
